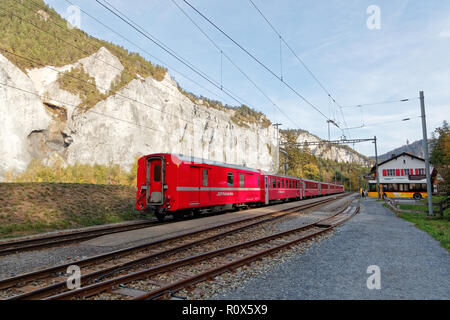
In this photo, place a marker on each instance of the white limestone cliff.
(146, 116)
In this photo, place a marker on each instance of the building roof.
(396, 157)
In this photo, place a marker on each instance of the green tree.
(440, 156)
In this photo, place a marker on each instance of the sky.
(361, 52)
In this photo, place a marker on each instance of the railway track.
(63, 238)
(32, 243)
(51, 282)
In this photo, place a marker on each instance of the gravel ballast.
(412, 264)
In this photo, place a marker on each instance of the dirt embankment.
(28, 208)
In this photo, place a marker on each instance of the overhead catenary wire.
(72, 105)
(163, 63)
(235, 65)
(87, 82)
(87, 53)
(384, 123)
(282, 39)
(379, 102)
(150, 37)
(257, 60)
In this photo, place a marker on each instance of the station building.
(401, 176)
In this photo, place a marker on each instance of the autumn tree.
(440, 156)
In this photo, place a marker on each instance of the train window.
(282, 183)
(157, 173)
(274, 183)
(241, 180)
(279, 183)
(230, 179)
(205, 177)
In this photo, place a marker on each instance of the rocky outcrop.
(146, 116)
(21, 114)
(335, 153)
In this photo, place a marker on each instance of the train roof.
(183, 157)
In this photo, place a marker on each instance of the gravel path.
(412, 264)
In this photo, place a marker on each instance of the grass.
(438, 228)
(29, 208)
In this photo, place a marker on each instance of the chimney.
(393, 155)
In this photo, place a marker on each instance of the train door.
(194, 195)
(266, 189)
(155, 181)
(303, 188)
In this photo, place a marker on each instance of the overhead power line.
(234, 64)
(150, 37)
(282, 39)
(383, 123)
(87, 82)
(378, 103)
(88, 111)
(163, 63)
(257, 60)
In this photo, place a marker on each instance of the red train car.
(280, 187)
(324, 188)
(167, 183)
(170, 183)
(310, 188)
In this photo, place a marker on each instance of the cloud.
(444, 34)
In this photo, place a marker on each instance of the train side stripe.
(215, 189)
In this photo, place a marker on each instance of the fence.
(438, 207)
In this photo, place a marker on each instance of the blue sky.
(410, 52)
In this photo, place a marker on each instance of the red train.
(178, 184)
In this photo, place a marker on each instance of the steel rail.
(210, 274)
(64, 238)
(96, 275)
(9, 247)
(108, 284)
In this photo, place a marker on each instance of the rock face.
(22, 117)
(146, 116)
(334, 153)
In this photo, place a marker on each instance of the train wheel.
(160, 215)
(417, 196)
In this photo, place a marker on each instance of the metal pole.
(376, 167)
(278, 146)
(427, 156)
(328, 130)
(320, 169)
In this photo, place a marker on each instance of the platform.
(164, 231)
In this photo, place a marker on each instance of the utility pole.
(376, 167)
(320, 169)
(328, 121)
(276, 125)
(427, 156)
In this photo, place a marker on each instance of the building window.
(421, 171)
(390, 172)
(241, 180)
(205, 177)
(230, 179)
